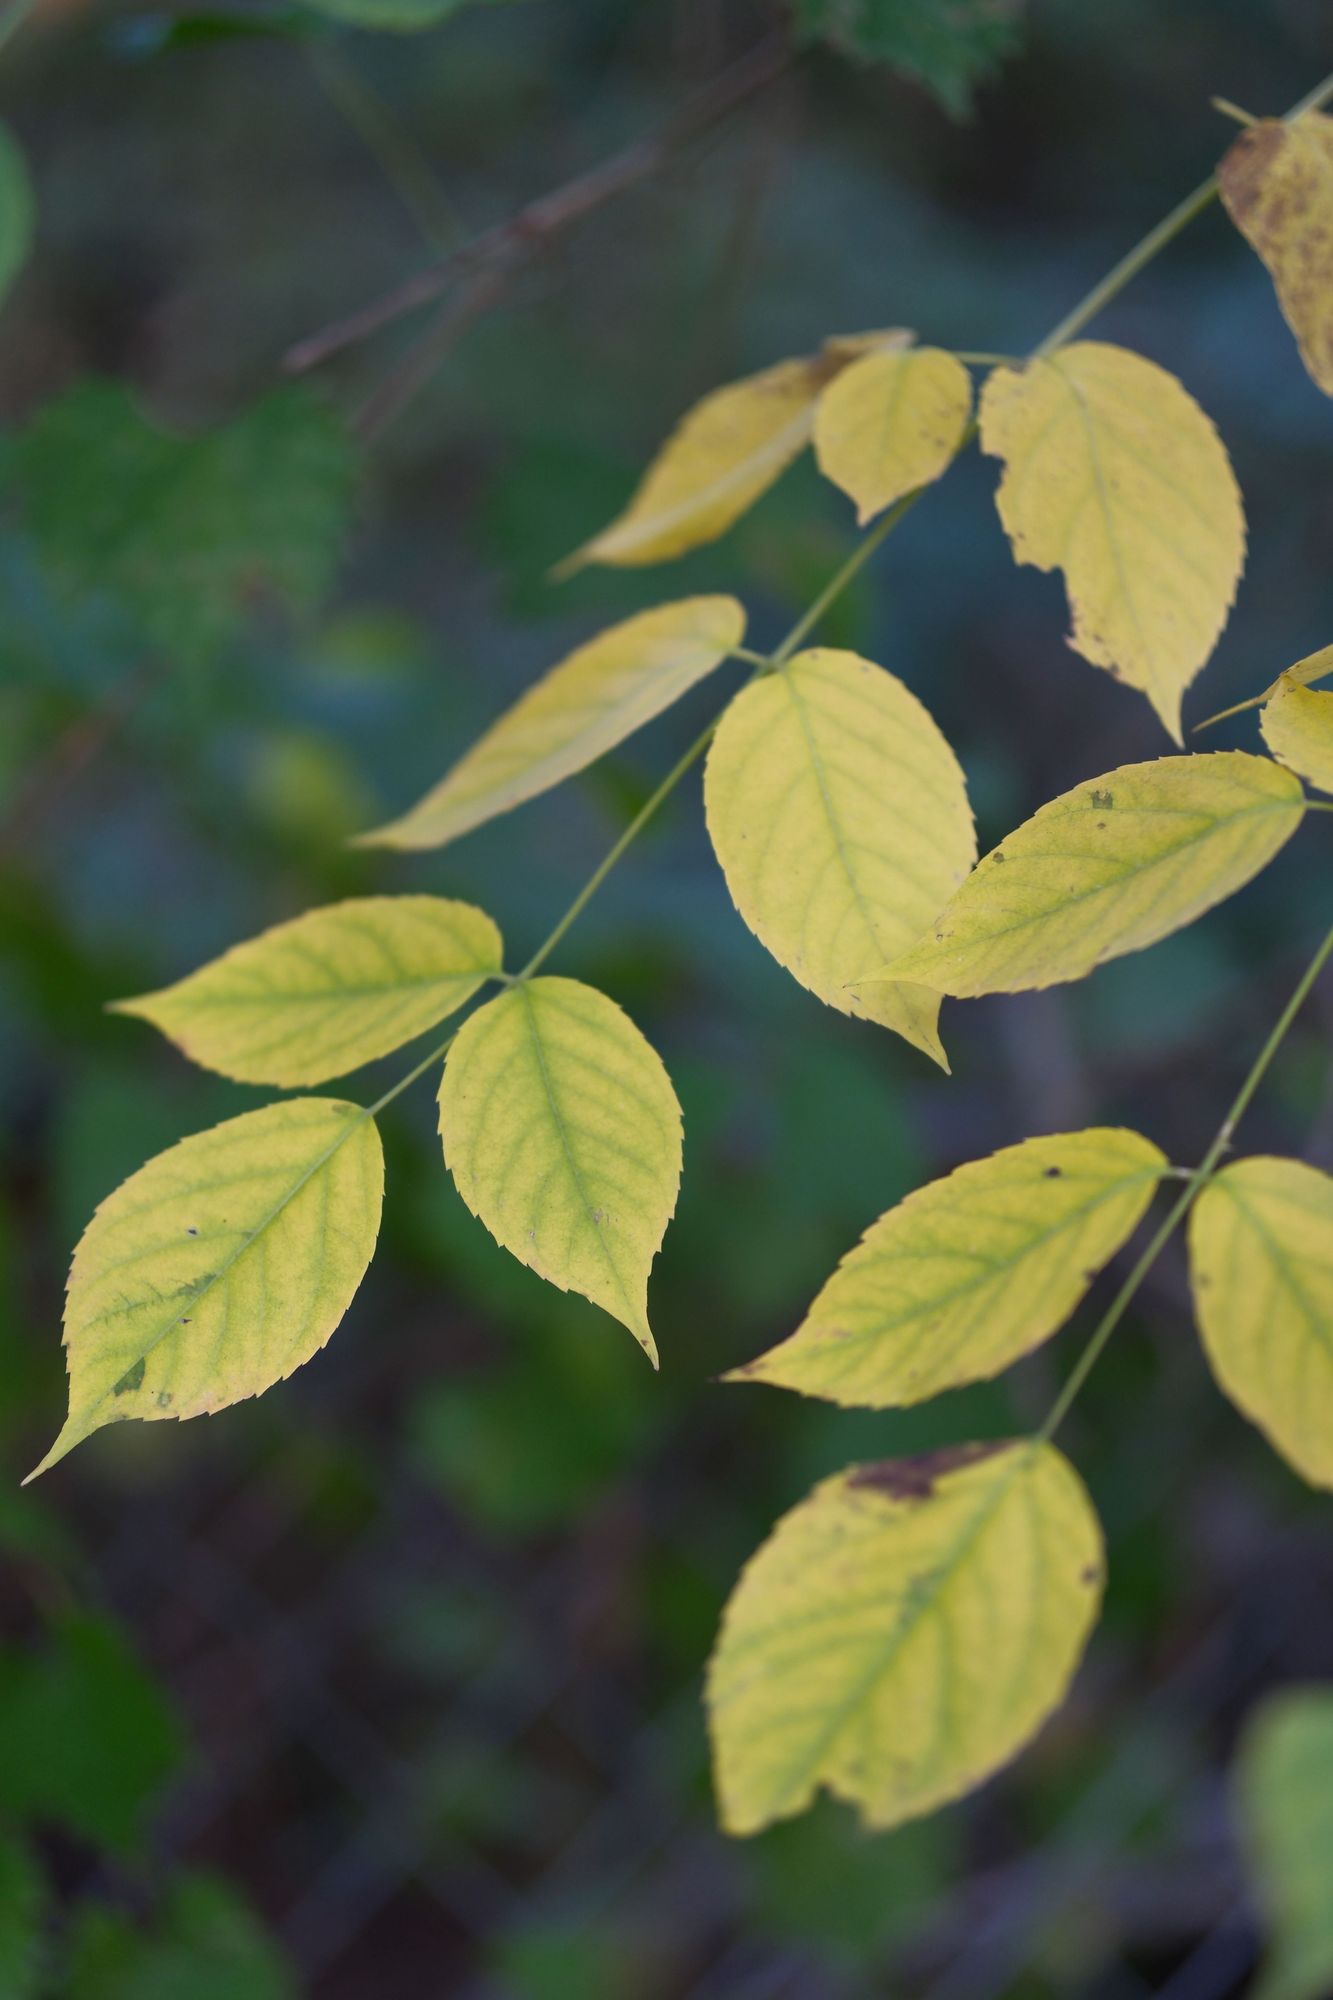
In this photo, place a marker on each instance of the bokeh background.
(389, 1684)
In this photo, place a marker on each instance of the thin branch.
(516, 241)
(386, 403)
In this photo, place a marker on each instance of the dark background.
(408, 1653)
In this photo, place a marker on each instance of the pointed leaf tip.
(563, 1135)
(1114, 475)
(221, 1266)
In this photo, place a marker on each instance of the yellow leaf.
(726, 452)
(1284, 1792)
(1314, 667)
(1298, 729)
(220, 1266)
(330, 990)
(1113, 474)
(562, 1133)
(890, 423)
(1261, 1264)
(968, 1273)
(578, 711)
(903, 1633)
(1108, 868)
(1277, 184)
(840, 818)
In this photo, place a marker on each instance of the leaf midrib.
(993, 1272)
(229, 1262)
(807, 1770)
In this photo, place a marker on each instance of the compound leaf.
(330, 990)
(1277, 184)
(563, 1136)
(725, 452)
(840, 818)
(1261, 1265)
(1113, 474)
(1105, 869)
(903, 1633)
(582, 708)
(1284, 1795)
(221, 1266)
(890, 423)
(969, 1273)
(1298, 729)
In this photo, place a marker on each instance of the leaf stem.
(1203, 1173)
(613, 854)
(1156, 240)
(1101, 294)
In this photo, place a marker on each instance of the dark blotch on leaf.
(914, 1478)
(131, 1380)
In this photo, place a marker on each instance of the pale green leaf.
(582, 708)
(890, 423)
(725, 452)
(17, 210)
(1108, 868)
(330, 990)
(1298, 729)
(1261, 1265)
(840, 818)
(903, 1633)
(1114, 475)
(1276, 181)
(221, 1266)
(562, 1133)
(1284, 1796)
(969, 1273)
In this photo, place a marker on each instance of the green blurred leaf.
(17, 210)
(23, 1899)
(950, 46)
(177, 532)
(818, 1878)
(395, 16)
(86, 1738)
(206, 1943)
(1285, 1798)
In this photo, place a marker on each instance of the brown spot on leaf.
(914, 1478)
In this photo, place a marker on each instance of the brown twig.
(511, 243)
(390, 398)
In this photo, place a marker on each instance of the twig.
(387, 402)
(514, 242)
